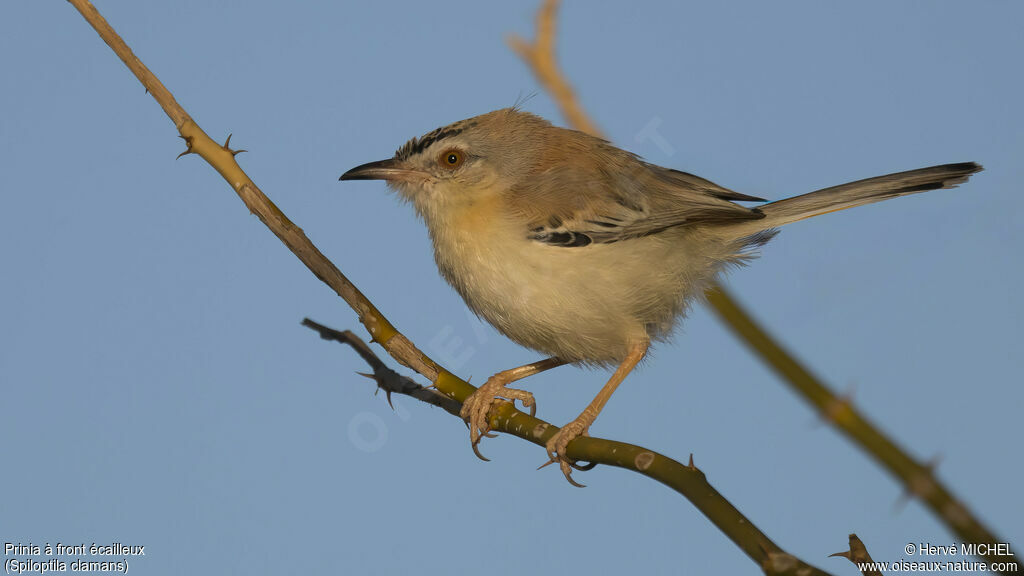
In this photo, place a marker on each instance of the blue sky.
(158, 389)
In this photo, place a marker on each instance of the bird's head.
(463, 162)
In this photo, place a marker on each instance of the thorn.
(844, 554)
(692, 467)
(227, 146)
(188, 146)
(387, 391)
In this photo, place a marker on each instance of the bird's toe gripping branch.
(558, 445)
(477, 408)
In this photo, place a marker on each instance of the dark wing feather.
(620, 198)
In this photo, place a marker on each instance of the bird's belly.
(587, 304)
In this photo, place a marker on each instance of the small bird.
(583, 251)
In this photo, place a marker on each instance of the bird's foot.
(557, 445)
(476, 408)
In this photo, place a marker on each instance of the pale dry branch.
(222, 159)
(540, 56)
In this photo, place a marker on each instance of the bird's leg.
(476, 408)
(558, 443)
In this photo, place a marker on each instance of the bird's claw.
(477, 407)
(557, 446)
(476, 450)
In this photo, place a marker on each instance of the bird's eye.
(451, 159)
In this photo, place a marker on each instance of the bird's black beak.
(390, 169)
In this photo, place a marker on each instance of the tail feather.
(863, 192)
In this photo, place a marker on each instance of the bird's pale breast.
(584, 304)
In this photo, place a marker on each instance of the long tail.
(862, 192)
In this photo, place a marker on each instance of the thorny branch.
(387, 379)
(687, 480)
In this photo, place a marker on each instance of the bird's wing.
(619, 199)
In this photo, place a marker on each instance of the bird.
(582, 251)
